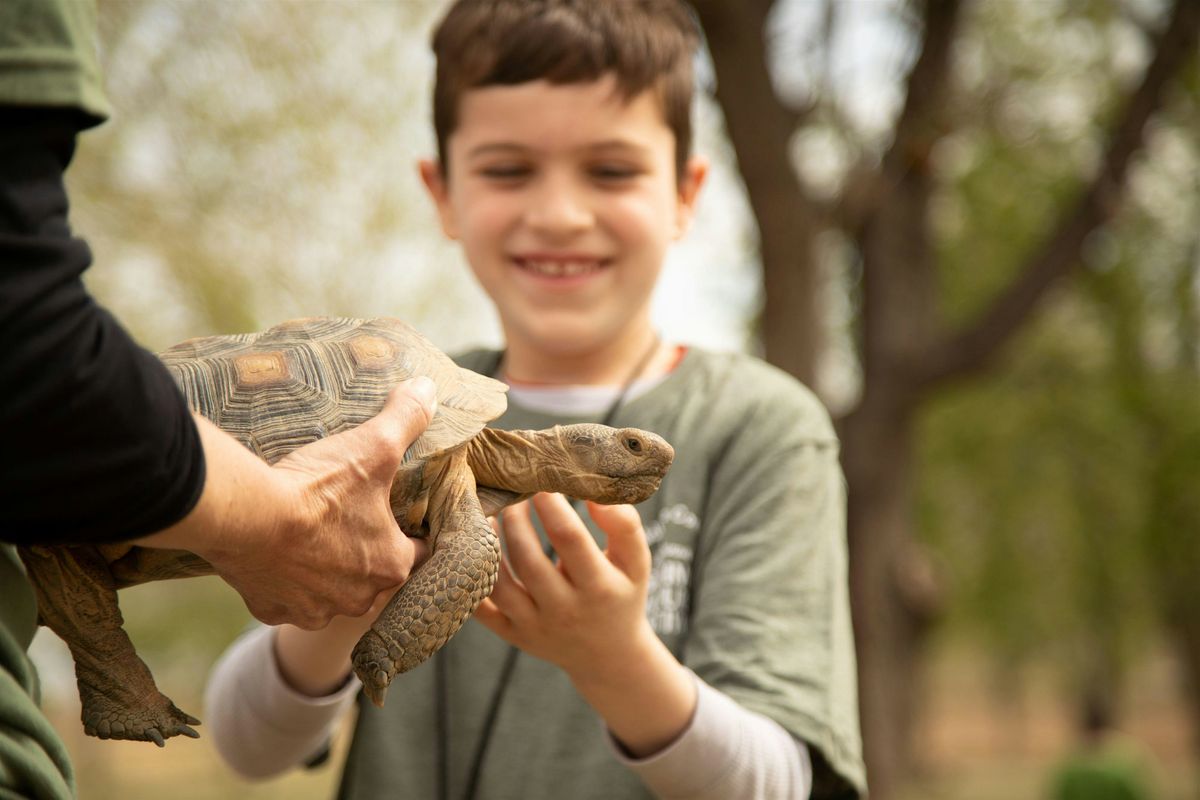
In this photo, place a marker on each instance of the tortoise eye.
(633, 444)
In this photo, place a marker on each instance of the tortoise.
(297, 382)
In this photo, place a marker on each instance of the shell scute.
(304, 379)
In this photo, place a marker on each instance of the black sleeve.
(96, 442)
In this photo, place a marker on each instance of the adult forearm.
(243, 505)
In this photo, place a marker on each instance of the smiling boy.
(704, 649)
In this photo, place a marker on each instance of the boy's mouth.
(560, 267)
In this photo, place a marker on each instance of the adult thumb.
(409, 409)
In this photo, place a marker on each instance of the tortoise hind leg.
(441, 595)
(77, 599)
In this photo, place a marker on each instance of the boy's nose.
(559, 209)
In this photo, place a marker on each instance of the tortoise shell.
(305, 379)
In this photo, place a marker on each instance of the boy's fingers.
(492, 618)
(627, 548)
(524, 552)
(510, 597)
(578, 552)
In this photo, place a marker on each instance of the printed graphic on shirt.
(671, 572)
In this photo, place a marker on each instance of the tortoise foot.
(155, 720)
(374, 666)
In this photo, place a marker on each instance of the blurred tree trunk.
(905, 352)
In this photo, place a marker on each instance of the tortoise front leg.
(442, 594)
(77, 599)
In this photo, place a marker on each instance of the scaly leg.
(442, 594)
(77, 599)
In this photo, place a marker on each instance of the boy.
(711, 636)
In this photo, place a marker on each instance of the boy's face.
(565, 200)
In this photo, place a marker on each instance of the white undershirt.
(576, 401)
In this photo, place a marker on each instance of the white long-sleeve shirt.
(262, 727)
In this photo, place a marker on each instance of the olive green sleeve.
(48, 56)
(771, 622)
(33, 759)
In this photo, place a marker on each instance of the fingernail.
(424, 390)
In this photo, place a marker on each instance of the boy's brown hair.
(643, 43)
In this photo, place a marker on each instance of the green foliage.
(1059, 492)
(1035, 88)
(1032, 493)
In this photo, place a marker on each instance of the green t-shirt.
(748, 589)
(47, 58)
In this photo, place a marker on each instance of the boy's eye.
(614, 173)
(505, 172)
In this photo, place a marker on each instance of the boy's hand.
(587, 614)
(584, 613)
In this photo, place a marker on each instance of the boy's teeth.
(560, 269)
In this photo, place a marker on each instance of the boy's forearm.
(646, 698)
(317, 663)
(259, 725)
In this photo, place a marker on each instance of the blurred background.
(972, 227)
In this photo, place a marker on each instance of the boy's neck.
(611, 365)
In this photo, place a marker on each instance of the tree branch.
(917, 129)
(969, 350)
(760, 129)
(756, 119)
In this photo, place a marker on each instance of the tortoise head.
(610, 465)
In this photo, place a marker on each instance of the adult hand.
(312, 536)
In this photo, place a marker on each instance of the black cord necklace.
(441, 676)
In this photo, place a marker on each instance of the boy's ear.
(694, 173)
(435, 183)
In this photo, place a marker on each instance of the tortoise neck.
(504, 459)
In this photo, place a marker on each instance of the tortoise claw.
(376, 690)
(374, 666)
(152, 719)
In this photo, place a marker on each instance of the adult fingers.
(409, 409)
(627, 547)
(272, 612)
(524, 554)
(421, 551)
(578, 552)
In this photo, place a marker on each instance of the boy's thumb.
(627, 548)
